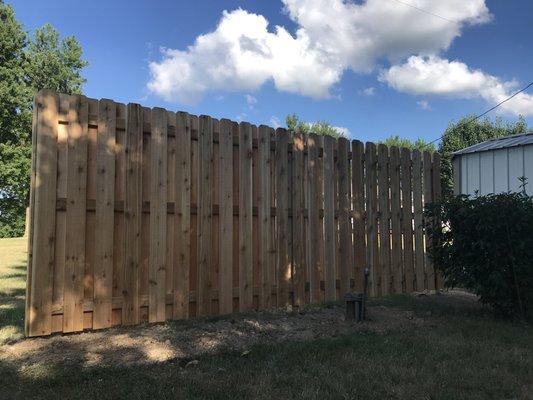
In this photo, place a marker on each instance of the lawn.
(440, 347)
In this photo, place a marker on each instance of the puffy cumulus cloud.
(331, 37)
(437, 76)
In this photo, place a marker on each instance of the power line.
(490, 109)
(426, 11)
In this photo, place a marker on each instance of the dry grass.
(429, 347)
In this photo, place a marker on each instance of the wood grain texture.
(346, 263)
(264, 217)
(158, 216)
(315, 236)
(359, 213)
(205, 209)
(407, 219)
(329, 220)
(420, 279)
(396, 221)
(132, 213)
(297, 208)
(226, 217)
(75, 215)
(245, 218)
(282, 217)
(182, 238)
(104, 214)
(384, 219)
(372, 218)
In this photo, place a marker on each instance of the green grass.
(460, 352)
(13, 259)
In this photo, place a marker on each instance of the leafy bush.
(485, 244)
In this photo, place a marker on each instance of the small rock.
(245, 353)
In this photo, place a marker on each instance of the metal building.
(494, 166)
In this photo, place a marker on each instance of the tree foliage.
(295, 124)
(28, 63)
(484, 244)
(466, 133)
(418, 144)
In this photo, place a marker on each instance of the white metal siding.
(495, 171)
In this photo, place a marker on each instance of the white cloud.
(275, 122)
(250, 100)
(437, 76)
(424, 105)
(343, 131)
(369, 91)
(331, 37)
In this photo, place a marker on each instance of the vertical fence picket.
(204, 216)
(104, 214)
(226, 217)
(329, 220)
(384, 218)
(345, 218)
(282, 218)
(264, 218)
(298, 262)
(407, 219)
(245, 218)
(436, 194)
(418, 221)
(39, 300)
(182, 239)
(132, 213)
(314, 228)
(428, 198)
(78, 116)
(396, 221)
(358, 199)
(158, 214)
(371, 218)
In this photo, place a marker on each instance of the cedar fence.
(141, 214)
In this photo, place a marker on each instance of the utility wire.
(426, 11)
(490, 109)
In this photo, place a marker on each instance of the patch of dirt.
(186, 340)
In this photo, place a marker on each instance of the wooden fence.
(143, 214)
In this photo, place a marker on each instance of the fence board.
(396, 221)
(76, 214)
(264, 218)
(158, 214)
(132, 213)
(297, 190)
(104, 214)
(226, 217)
(282, 218)
(314, 227)
(372, 248)
(358, 199)
(384, 219)
(428, 198)
(245, 218)
(182, 241)
(329, 220)
(205, 208)
(436, 194)
(407, 219)
(346, 273)
(418, 221)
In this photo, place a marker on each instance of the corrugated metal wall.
(494, 171)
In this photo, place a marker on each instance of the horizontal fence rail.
(142, 215)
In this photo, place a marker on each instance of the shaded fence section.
(142, 214)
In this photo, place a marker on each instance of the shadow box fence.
(142, 215)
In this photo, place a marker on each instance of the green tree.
(418, 144)
(467, 132)
(27, 64)
(295, 124)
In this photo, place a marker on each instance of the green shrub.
(485, 244)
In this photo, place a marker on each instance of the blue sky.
(376, 68)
